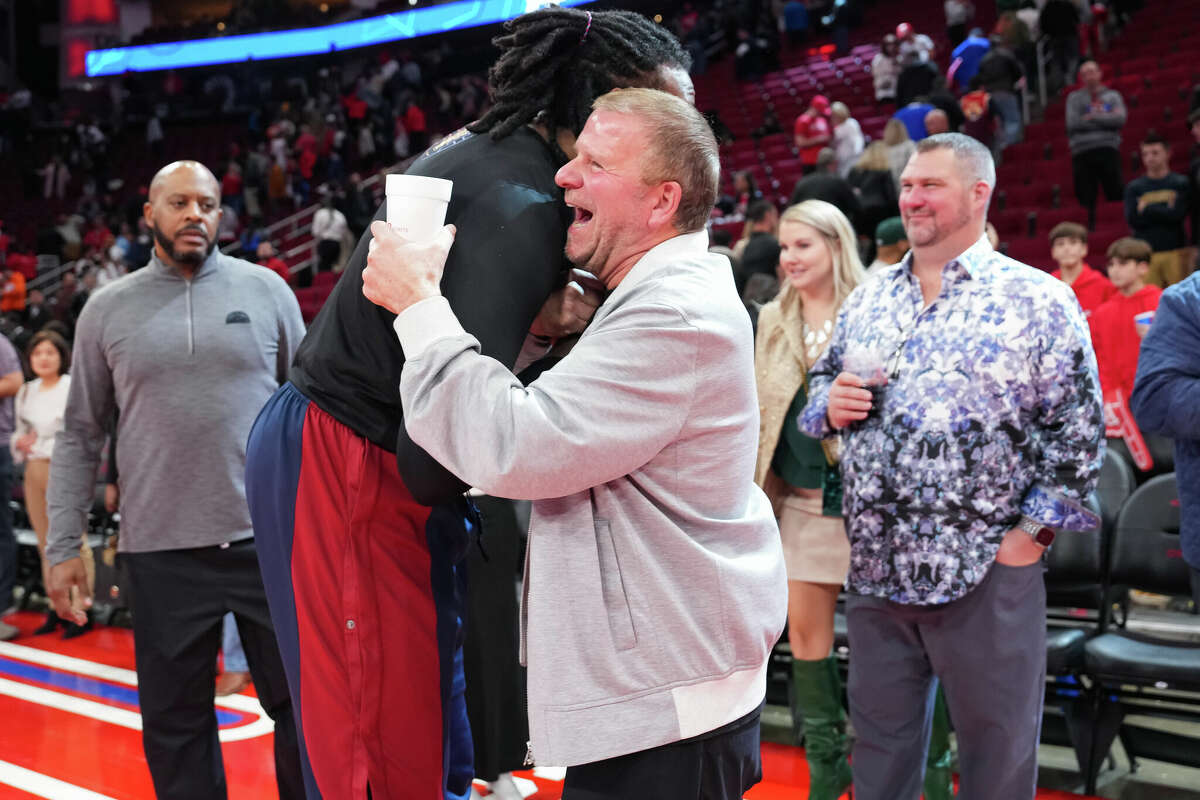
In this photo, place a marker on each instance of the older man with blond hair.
(654, 587)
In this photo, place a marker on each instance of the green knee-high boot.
(817, 689)
(939, 783)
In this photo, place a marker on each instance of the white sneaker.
(8, 632)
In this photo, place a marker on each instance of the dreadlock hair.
(549, 71)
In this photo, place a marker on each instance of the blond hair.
(894, 132)
(875, 157)
(827, 220)
(681, 148)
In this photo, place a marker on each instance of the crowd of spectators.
(288, 138)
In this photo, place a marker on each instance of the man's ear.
(982, 193)
(667, 197)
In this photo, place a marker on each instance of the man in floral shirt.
(985, 439)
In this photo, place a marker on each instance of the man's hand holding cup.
(849, 402)
(401, 273)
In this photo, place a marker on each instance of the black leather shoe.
(50, 625)
(74, 630)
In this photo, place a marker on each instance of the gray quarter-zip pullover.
(188, 364)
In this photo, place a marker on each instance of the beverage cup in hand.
(868, 364)
(416, 205)
(1142, 321)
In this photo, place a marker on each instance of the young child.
(1068, 248)
(1115, 336)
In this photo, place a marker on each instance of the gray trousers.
(988, 649)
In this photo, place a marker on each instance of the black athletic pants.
(719, 765)
(178, 598)
(328, 253)
(1100, 167)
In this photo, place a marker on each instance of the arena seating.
(1148, 63)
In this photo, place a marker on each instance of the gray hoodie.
(1103, 129)
(189, 364)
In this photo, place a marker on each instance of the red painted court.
(70, 729)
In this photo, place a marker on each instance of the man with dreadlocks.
(359, 531)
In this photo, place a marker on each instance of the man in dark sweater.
(825, 184)
(1156, 205)
(762, 249)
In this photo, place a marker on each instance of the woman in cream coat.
(819, 267)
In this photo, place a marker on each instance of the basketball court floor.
(70, 730)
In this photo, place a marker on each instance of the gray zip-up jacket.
(654, 577)
(189, 364)
(1103, 129)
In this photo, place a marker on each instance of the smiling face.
(45, 360)
(804, 257)
(604, 188)
(183, 213)
(935, 201)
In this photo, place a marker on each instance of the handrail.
(1040, 49)
(45, 278)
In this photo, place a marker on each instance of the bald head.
(936, 121)
(176, 170)
(182, 210)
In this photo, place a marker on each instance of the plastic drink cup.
(416, 205)
(1141, 322)
(868, 364)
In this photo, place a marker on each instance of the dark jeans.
(1196, 588)
(178, 598)
(719, 765)
(1093, 169)
(8, 539)
(988, 650)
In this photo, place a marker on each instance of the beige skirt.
(815, 547)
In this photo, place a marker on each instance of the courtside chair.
(1140, 672)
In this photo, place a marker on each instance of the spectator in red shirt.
(1115, 336)
(356, 109)
(414, 123)
(98, 237)
(1068, 248)
(231, 187)
(267, 258)
(231, 182)
(813, 132)
(22, 261)
(306, 141)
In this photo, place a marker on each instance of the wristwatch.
(1039, 532)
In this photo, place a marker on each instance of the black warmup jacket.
(506, 260)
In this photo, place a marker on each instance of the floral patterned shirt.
(991, 411)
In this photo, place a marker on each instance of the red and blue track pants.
(366, 589)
